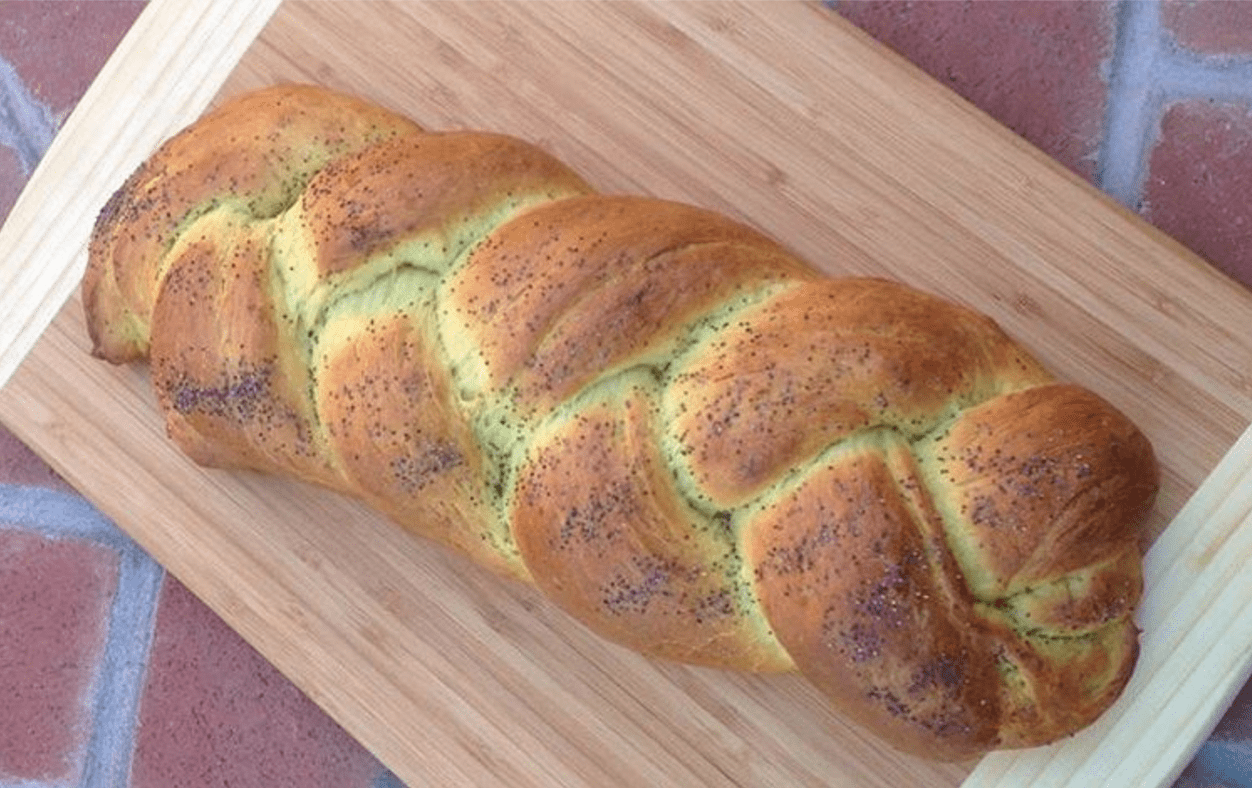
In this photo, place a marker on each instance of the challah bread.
(690, 440)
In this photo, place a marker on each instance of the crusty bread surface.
(693, 442)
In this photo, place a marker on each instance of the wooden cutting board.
(780, 115)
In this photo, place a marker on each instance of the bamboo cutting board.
(780, 115)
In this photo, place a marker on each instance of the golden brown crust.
(427, 186)
(233, 392)
(607, 536)
(255, 153)
(1052, 456)
(689, 439)
(856, 573)
(853, 574)
(816, 364)
(576, 286)
(389, 412)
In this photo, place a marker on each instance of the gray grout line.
(26, 125)
(385, 779)
(1226, 763)
(118, 684)
(58, 515)
(1133, 101)
(1186, 74)
(120, 672)
(1150, 72)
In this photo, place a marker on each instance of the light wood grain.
(162, 76)
(777, 114)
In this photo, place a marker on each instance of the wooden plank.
(788, 119)
(162, 76)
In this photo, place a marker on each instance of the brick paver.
(1200, 176)
(12, 176)
(1211, 27)
(1036, 67)
(54, 604)
(58, 47)
(21, 466)
(214, 713)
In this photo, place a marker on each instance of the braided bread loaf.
(691, 441)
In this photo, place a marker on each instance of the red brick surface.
(1034, 66)
(1237, 724)
(214, 713)
(1210, 26)
(1200, 180)
(59, 47)
(12, 179)
(20, 465)
(53, 614)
